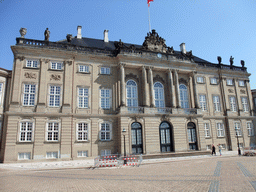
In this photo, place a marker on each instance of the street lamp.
(238, 147)
(125, 161)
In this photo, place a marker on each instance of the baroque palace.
(77, 97)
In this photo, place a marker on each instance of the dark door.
(165, 137)
(137, 147)
(192, 138)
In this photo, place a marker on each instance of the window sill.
(208, 137)
(220, 137)
(34, 68)
(103, 141)
(81, 72)
(50, 142)
(82, 141)
(56, 70)
(25, 142)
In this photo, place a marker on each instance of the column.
(238, 98)
(67, 82)
(177, 88)
(195, 91)
(145, 90)
(151, 84)
(171, 88)
(250, 100)
(122, 75)
(191, 87)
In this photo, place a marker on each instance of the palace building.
(78, 97)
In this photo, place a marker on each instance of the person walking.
(213, 150)
(219, 146)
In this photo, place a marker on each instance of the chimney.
(106, 40)
(183, 48)
(79, 32)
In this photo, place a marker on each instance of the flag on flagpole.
(149, 2)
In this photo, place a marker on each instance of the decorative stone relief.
(230, 90)
(242, 91)
(30, 75)
(131, 76)
(158, 78)
(21, 58)
(55, 77)
(23, 32)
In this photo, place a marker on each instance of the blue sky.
(209, 28)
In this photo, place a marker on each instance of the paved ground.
(204, 173)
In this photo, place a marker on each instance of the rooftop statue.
(46, 34)
(153, 42)
(231, 60)
(219, 59)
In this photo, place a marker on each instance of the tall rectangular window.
(56, 65)
(238, 129)
(55, 93)
(232, 101)
(26, 129)
(245, 104)
(105, 70)
(216, 103)
(29, 94)
(207, 130)
(202, 101)
(250, 129)
(83, 97)
(82, 132)
(32, 63)
(105, 132)
(53, 131)
(220, 129)
(105, 98)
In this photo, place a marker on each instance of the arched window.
(159, 95)
(131, 94)
(183, 96)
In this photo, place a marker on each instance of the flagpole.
(149, 20)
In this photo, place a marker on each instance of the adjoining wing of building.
(73, 98)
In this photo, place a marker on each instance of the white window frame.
(250, 129)
(52, 155)
(232, 103)
(220, 130)
(237, 127)
(107, 133)
(30, 63)
(83, 97)
(203, 102)
(241, 83)
(245, 104)
(213, 81)
(84, 131)
(55, 65)
(24, 156)
(1, 92)
(26, 131)
(131, 93)
(105, 152)
(53, 132)
(29, 96)
(207, 130)
(83, 68)
(82, 153)
(105, 100)
(216, 103)
(184, 102)
(200, 79)
(230, 82)
(105, 70)
(53, 96)
(159, 95)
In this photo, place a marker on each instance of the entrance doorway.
(137, 147)
(192, 138)
(165, 132)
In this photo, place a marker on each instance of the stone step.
(175, 154)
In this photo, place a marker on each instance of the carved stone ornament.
(230, 90)
(242, 91)
(153, 42)
(158, 78)
(21, 58)
(182, 81)
(69, 62)
(131, 76)
(69, 37)
(30, 75)
(55, 77)
(23, 32)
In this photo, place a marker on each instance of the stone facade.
(72, 99)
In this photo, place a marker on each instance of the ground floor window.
(105, 152)
(24, 156)
(82, 153)
(52, 155)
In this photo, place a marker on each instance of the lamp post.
(238, 147)
(125, 161)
